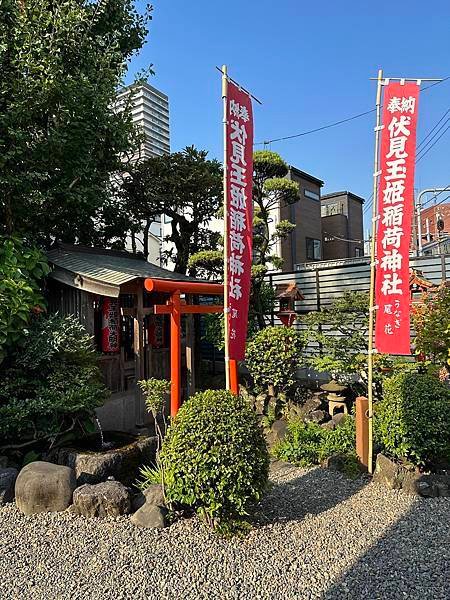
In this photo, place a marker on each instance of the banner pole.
(372, 272)
(225, 228)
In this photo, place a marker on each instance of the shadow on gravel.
(411, 560)
(312, 493)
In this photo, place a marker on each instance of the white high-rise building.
(150, 112)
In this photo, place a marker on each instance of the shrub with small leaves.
(413, 420)
(216, 458)
(308, 444)
(154, 391)
(273, 357)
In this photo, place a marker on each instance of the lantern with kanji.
(110, 325)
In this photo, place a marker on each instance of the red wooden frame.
(175, 308)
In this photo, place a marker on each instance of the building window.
(313, 249)
(312, 195)
(358, 252)
(334, 208)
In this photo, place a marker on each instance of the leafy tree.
(60, 139)
(339, 335)
(186, 187)
(432, 323)
(50, 389)
(21, 271)
(270, 192)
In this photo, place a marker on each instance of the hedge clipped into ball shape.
(413, 419)
(273, 356)
(215, 457)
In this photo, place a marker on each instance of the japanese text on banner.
(239, 144)
(395, 210)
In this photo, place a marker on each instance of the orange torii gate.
(175, 308)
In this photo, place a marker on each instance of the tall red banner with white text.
(239, 210)
(395, 211)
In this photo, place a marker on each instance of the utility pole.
(419, 212)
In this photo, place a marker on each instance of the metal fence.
(322, 282)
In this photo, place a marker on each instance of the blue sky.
(310, 64)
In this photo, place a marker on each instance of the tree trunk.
(145, 239)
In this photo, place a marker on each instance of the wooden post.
(190, 355)
(175, 354)
(362, 430)
(234, 377)
(139, 359)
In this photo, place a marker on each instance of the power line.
(421, 150)
(289, 137)
(357, 116)
(421, 143)
(432, 145)
(431, 130)
(446, 189)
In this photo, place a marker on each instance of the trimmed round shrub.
(273, 357)
(413, 419)
(214, 458)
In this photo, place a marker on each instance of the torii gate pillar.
(175, 308)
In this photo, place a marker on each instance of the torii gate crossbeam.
(175, 308)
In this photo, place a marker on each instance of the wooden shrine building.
(106, 291)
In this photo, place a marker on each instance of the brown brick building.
(428, 219)
(305, 242)
(342, 225)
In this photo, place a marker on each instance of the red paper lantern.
(110, 325)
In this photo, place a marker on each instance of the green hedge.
(413, 419)
(214, 458)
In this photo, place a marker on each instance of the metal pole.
(372, 272)
(225, 227)
(419, 211)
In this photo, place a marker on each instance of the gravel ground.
(321, 536)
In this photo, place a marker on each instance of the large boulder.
(122, 462)
(150, 516)
(8, 478)
(388, 473)
(44, 487)
(276, 433)
(152, 495)
(107, 499)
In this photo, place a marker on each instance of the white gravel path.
(321, 536)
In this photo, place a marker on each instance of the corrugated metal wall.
(320, 283)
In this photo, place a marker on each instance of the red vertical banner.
(395, 211)
(239, 210)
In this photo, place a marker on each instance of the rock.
(335, 462)
(309, 406)
(44, 487)
(3, 462)
(152, 495)
(150, 516)
(443, 489)
(387, 473)
(260, 404)
(329, 425)
(339, 418)
(107, 499)
(316, 416)
(122, 463)
(8, 478)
